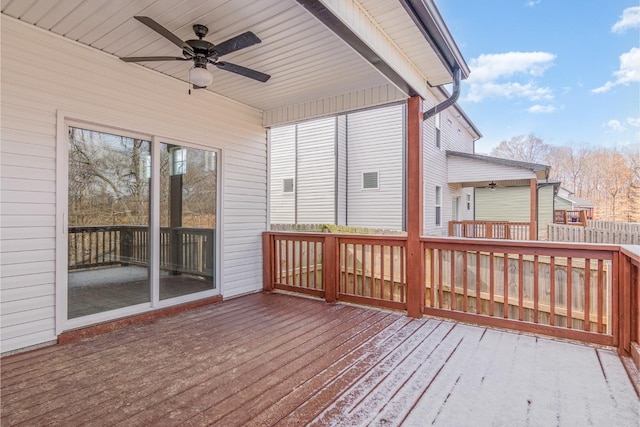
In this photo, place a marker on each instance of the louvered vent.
(287, 185)
(369, 180)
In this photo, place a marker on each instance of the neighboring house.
(512, 203)
(349, 169)
(125, 192)
(566, 201)
(522, 186)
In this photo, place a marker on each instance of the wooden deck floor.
(268, 359)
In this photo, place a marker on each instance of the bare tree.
(525, 148)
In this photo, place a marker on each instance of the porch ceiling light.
(492, 186)
(200, 76)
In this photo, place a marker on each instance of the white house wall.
(341, 190)
(375, 140)
(316, 171)
(283, 166)
(89, 84)
(456, 137)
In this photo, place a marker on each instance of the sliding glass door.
(112, 261)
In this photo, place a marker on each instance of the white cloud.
(532, 3)
(634, 121)
(615, 125)
(509, 75)
(538, 109)
(630, 19)
(629, 71)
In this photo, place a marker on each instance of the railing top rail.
(312, 234)
(592, 250)
(631, 251)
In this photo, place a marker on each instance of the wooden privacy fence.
(576, 291)
(612, 235)
(182, 249)
(490, 230)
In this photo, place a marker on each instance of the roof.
(535, 167)
(579, 202)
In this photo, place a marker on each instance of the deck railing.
(490, 230)
(575, 291)
(101, 246)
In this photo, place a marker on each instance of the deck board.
(274, 359)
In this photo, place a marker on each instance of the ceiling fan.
(202, 52)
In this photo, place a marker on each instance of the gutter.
(449, 101)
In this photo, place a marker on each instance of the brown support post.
(330, 268)
(624, 306)
(267, 263)
(451, 229)
(415, 207)
(533, 230)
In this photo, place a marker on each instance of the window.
(369, 180)
(287, 185)
(438, 205)
(438, 133)
(468, 202)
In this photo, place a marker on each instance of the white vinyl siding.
(471, 170)
(315, 187)
(375, 141)
(283, 157)
(341, 164)
(90, 85)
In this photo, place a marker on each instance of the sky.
(567, 71)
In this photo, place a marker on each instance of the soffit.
(395, 21)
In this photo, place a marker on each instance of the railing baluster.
(382, 254)
(464, 281)
(363, 269)
(520, 288)
(452, 281)
(536, 288)
(372, 281)
(392, 281)
(505, 292)
(600, 302)
(552, 291)
(432, 271)
(440, 276)
(478, 285)
(587, 294)
(491, 284)
(569, 294)
(308, 249)
(402, 277)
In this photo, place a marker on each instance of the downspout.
(457, 73)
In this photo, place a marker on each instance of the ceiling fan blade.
(153, 58)
(243, 71)
(164, 33)
(236, 43)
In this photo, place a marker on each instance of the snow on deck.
(273, 359)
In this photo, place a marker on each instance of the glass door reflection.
(188, 197)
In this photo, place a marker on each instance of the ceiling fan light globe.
(199, 76)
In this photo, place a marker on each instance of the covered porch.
(274, 359)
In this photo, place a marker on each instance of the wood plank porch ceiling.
(268, 359)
